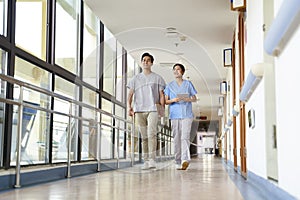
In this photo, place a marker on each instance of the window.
(66, 35)
(120, 112)
(131, 69)
(31, 25)
(109, 62)
(91, 48)
(89, 136)
(120, 87)
(106, 131)
(61, 123)
(3, 17)
(35, 123)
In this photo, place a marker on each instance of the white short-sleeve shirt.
(146, 91)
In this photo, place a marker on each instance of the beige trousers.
(147, 124)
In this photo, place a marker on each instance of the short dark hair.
(149, 55)
(179, 65)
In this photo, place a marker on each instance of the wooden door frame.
(234, 151)
(243, 148)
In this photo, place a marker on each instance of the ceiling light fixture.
(171, 32)
(171, 29)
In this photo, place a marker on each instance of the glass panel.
(3, 62)
(120, 87)
(3, 17)
(130, 67)
(137, 68)
(61, 123)
(89, 126)
(66, 36)
(106, 131)
(25, 70)
(109, 64)
(89, 97)
(130, 70)
(91, 48)
(89, 137)
(35, 123)
(59, 141)
(120, 112)
(31, 25)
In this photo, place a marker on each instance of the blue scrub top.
(180, 110)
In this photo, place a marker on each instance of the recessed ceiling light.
(171, 29)
(171, 34)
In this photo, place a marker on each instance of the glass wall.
(31, 25)
(3, 17)
(68, 64)
(35, 123)
(66, 36)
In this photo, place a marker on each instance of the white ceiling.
(204, 27)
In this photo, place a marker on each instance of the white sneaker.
(178, 166)
(152, 164)
(146, 165)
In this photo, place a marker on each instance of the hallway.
(206, 178)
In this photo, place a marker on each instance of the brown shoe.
(185, 165)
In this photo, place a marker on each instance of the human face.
(147, 63)
(177, 71)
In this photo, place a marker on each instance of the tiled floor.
(206, 178)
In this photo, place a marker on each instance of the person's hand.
(161, 111)
(176, 99)
(186, 99)
(130, 112)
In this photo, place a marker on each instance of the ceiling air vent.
(166, 64)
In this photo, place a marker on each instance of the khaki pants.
(135, 140)
(147, 124)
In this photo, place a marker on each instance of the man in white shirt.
(146, 93)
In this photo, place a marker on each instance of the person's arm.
(161, 106)
(193, 98)
(162, 98)
(129, 101)
(190, 99)
(170, 101)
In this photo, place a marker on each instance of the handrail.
(283, 27)
(72, 102)
(53, 94)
